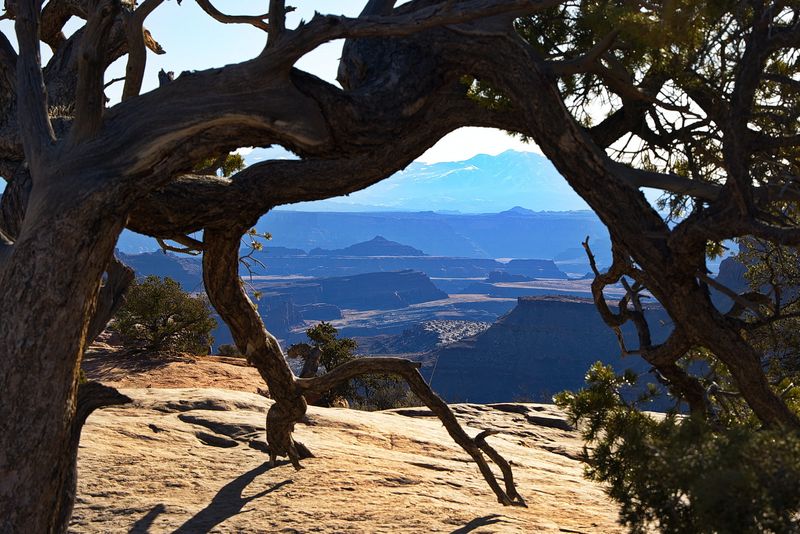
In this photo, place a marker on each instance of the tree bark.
(50, 283)
(112, 296)
(227, 295)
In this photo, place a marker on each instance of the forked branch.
(254, 20)
(36, 130)
(90, 98)
(408, 371)
(137, 48)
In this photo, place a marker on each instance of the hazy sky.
(194, 41)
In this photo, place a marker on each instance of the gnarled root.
(408, 371)
(281, 418)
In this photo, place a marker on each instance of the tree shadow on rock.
(143, 525)
(477, 523)
(227, 502)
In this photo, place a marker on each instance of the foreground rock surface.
(192, 460)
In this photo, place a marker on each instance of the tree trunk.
(227, 295)
(49, 287)
(112, 296)
(708, 328)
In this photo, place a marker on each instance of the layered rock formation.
(380, 291)
(377, 246)
(543, 346)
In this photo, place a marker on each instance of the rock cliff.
(543, 346)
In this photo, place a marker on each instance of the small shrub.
(385, 393)
(158, 316)
(680, 474)
(230, 350)
(369, 392)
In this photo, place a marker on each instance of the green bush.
(369, 392)
(229, 350)
(384, 393)
(158, 316)
(680, 474)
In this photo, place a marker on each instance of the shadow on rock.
(477, 523)
(228, 502)
(143, 525)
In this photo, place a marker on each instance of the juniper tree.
(78, 172)
(698, 100)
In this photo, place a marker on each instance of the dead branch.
(277, 20)
(187, 249)
(137, 48)
(408, 370)
(112, 295)
(90, 98)
(36, 130)
(254, 20)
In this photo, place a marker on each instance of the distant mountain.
(480, 184)
(518, 210)
(511, 234)
(515, 233)
(377, 246)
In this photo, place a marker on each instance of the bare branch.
(254, 20)
(672, 183)
(192, 251)
(277, 20)
(118, 277)
(36, 130)
(137, 48)
(55, 15)
(90, 98)
(408, 370)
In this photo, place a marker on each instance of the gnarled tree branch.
(137, 48)
(408, 370)
(36, 130)
(90, 98)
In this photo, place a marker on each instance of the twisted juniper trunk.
(91, 396)
(49, 282)
(227, 294)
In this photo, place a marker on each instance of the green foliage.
(681, 474)
(334, 352)
(159, 316)
(370, 392)
(229, 350)
(226, 166)
(774, 271)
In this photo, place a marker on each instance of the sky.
(195, 41)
